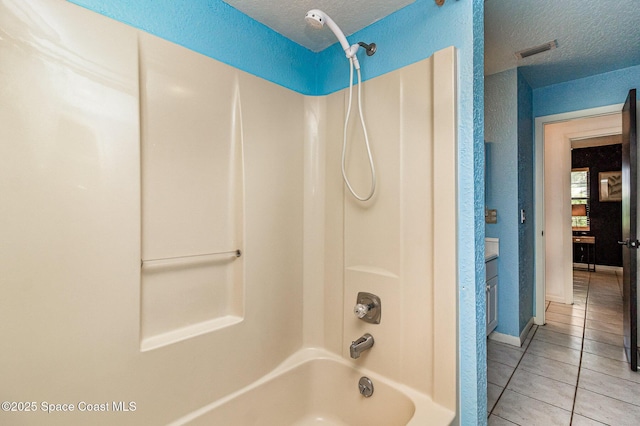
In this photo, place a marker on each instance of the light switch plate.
(491, 216)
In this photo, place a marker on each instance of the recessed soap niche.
(192, 197)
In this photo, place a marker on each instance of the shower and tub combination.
(376, 246)
(341, 308)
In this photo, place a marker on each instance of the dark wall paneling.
(606, 217)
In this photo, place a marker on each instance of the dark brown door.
(629, 228)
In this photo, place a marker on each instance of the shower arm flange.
(369, 48)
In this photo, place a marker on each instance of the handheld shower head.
(314, 19)
(317, 18)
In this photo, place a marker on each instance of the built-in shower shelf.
(192, 197)
(188, 332)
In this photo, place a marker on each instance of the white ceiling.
(594, 36)
(287, 17)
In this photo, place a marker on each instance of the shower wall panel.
(192, 193)
(72, 112)
(400, 245)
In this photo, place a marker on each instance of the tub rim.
(426, 411)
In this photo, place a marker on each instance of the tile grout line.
(512, 374)
(584, 328)
(603, 373)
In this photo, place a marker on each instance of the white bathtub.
(315, 387)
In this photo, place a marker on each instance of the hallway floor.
(571, 371)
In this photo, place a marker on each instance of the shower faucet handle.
(361, 310)
(368, 308)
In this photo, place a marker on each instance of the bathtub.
(315, 387)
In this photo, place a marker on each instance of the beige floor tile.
(493, 393)
(609, 310)
(606, 410)
(580, 293)
(550, 368)
(566, 310)
(603, 336)
(579, 300)
(580, 304)
(498, 421)
(603, 317)
(604, 326)
(573, 342)
(605, 302)
(563, 328)
(504, 353)
(579, 420)
(498, 373)
(613, 387)
(557, 304)
(609, 366)
(556, 352)
(604, 349)
(565, 319)
(543, 389)
(612, 293)
(523, 410)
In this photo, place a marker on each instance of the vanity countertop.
(491, 249)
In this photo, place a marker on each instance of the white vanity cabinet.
(492, 294)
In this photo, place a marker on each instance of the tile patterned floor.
(572, 370)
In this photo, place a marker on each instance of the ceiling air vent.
(537, 49)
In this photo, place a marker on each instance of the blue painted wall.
(509, 139)
(473, 347)
(413, 33)
(599, 90)
(211, 27)
(501, 134)
(526, 199)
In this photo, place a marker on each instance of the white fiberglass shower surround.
(177, 234)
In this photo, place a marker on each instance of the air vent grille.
(537, 49)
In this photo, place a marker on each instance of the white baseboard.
(505, 338)
(599, 268)
(525, 330)
(512, 340)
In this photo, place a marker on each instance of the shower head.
(317, 19)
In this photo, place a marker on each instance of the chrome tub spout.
(360, 345)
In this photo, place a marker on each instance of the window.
(580, 199)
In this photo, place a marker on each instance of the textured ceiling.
(287, 17)
(594, 36)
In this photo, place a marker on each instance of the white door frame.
(540, 122)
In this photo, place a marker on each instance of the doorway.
(554, 255)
